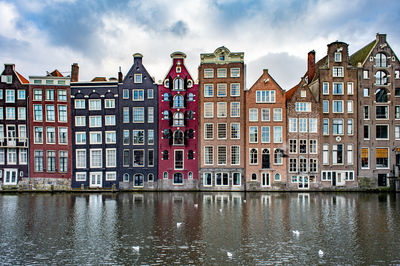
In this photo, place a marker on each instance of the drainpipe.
(28, 155)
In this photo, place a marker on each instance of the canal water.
(200, 228)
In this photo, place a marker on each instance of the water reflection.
(200, 228)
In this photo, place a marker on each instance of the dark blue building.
(94, 110)
(138, 129)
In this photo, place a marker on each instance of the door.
(265, 159)
(341, 179)
(138, 180)
(96, 179)
(265, 180)
(303, 182)
(382, 180)
(11, 135)
(10, 176)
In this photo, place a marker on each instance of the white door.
(11, 135)
(340, 179)
(265, 180)
(96, 179)
(10, 176)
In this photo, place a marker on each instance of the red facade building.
(178, 128)
(50, 131)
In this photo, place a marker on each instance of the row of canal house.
(338, 127)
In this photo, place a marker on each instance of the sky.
(101, 36)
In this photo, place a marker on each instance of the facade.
(335, 80)
(303, 118)
(138, 129)
(266, 135)
(94, 107)
(222, 120)
(13, 127)
(50, 140)
(178, 128)
(379, 112)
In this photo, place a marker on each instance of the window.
(190, 155)
(125, 115)
(265, 114)
(138, 158)
(325, 126)
(125, 94)
(37, 94)
(253, 134)
(208, 90)
(221, 179)
(303, 93)
(150, 114)
(313, 166)
(63, 161)
(138, 114)
(208, 73)
(254, 177)
(337, 153)
(366, 131)
(235, 131)
(278, 156)
(38, 135)
(380, 60)
(278, 134)
(21, 113)
(382, 131)
(221, 90)
(381, 78)
(337, 88)
(235, 72)
(111, 157)
(95, 121)
(191, 97)
(265, 96)
(21, 132)
(51, 135)
(366, 112)
(95, 137)
(137, 95)
(293, 146)
(350, 88)
(350, 126)
(37, 112)
(10, 96)
(313, 125)
(235, 155)
(292, 124)
(178, 101)
(50, 113)
(338, 57)
(125, 137)
(221, 155)
(49, 82)
(109, 120)
(303, 107)
(277, 114)
(178, 119)
(221, 73)
(38, 161)
(138, 137)
(253, 156)
(337, 106)
(303, 146)
(350, 106)
(292, 165)
(350, 158)
(150, 137)
(208, 110)
(302, 165)
(178, 84)
(62, 95)
(236, 179)
(337, 71)
(221, 109)
(178, 137)
(80, 138)
(109, 103)
(337, 126)
(62, 113)
(1, 113)
(208, 155)
(313, 146)
(235, 89)
(265, 134)
(397, 111)
(397, 132)
(364, 158)
(325, 88)
(178, 159)
(150, 158)
(397, 74)
(382, 156)
(253, 114)
(382, 112)
(302, 125)
(80, 121)
(221, 131)
(325, 154)
(21, 95)
(208, 131)
(150, 94)
(137, 78)
(23, 156)
(111, 176)
(94, 104)
(111, 137)
(235, 109)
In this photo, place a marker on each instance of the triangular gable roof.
(289, 93)
(361, 55)
(99, 79)
(56, 73)
(131, 70)
(262, 75)
(21, 78)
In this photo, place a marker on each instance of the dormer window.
(221, 57)
(178, 69)
(337, 72)
(178, 84)
(380, 60)
(338, 57)
(137, 78)
(303, 93)
(6, 79)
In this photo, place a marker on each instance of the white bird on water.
(220, 210)
(244, 201)
(136, 249)
(178, 224)
(320, 253)
(229, 254)
(196, 205)
(296, 232)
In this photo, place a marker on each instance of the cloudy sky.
(41, 35)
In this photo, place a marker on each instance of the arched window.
(265, 159)
(190, 155)
(165, 97)
(190, 175)
(380, 60)
(190, 114)
(191, 97)
(178, 178)
(165, 133)
(178, 84)
(165, 175)
(150, 177)
(165, 115)
(178, 101)
(138, 180)
(165, 155)
(178, 119)
(382, 95)
(178, 137)
(277, 177)
(253, 156)
(278, 156)
(254, 177)
(381, 78)
(126, 178)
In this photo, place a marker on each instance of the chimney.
(137, 57)
(120, 76)
(381, 38)
(74, 72)
(311, 65)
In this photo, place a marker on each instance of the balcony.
(13, 142)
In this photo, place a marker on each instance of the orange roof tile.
(23, 80)
(99, 79)
(290, 92)
(56, 73)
